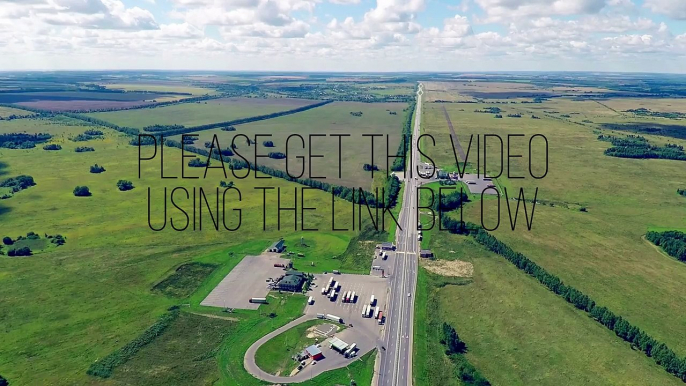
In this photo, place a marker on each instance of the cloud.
(675, 9)
(500, 10)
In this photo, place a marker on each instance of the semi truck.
(376, 313)
(325, 291)
(320, 316)
(365, 311)
(258, 300)
(372, 301)
(334, 318)
(384, 256)
(332, 295)
(310, 300)
(380, 318)
(352, 297)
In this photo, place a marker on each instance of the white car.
(408, 294)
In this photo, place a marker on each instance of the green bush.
(82, 191)
(97, 169)
(124, 185)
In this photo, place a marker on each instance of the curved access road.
(332, 359)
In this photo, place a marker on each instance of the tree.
(23, 251)
(82, 191)
(7, 240)
(97, 169)
(124, 185)
(52, 146)
(268, 144)
(3, 381)
(452, 340)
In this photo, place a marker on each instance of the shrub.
(368, 167)
(124, 185)
(23, 251)
(197, 163)
(276, 155)
(93, 132)
(268, 144)
(97, 169)
(7, 240)
(82, 191)
(229, 128)
(3, 381)
(52, 146)
(18, 183)
(82, 149)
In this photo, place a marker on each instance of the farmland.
(200, 113)
(109, 245)
(599, 250)
(334, 118)
(6, 112)
(80, 100)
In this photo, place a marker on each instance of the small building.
(338, 344)
(278, 246)
(315, 353)
(293, 281)
(387, 246)
(426, 253)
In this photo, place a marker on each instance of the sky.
(344, 35)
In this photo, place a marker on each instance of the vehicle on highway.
(408, 294)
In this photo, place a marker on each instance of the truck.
(376, 267)
(372, 301)
(380, 318)
(384, 256)
(419, 237)
(376, 313)
(349, 352)
(320, 316)
(330, 281)
(336, 272)
(325, 291)
(332, 295)
(365, 311)
(279, 265)
(352, 297)
(338, 286)
(344, 297)
(334, 318)
(310, 300)
(258, 300)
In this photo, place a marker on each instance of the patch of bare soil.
(455, 268)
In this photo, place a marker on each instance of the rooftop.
(313, 350)
(338, 344)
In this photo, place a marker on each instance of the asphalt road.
(396, 360)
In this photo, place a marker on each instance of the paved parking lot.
(365, 331)
(247, 280)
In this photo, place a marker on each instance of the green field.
(517, 332)
(160, 88)
(601, 252)
(275, 355)
(95, 292)
(7, 111)
(334, 118)
(200, 113)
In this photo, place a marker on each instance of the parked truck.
(310, 300)
(352, 297)
(334, 318)
(258, 300)
(320, 316)
(384, 256)
(372, 301)
(351, 350)
(380, 318)
(332, 295)
(365, 311)
(376, 313)
(325, 291)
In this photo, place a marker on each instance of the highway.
(396, 360)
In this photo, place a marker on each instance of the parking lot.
(478, 184)
(364, 331)
(247, 280)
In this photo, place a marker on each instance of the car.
(408, 294)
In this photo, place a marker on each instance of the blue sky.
(345, 35)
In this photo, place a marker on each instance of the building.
(315, 353)
(293, 281)
(278, 246)
(387, 247)
(338, 344)
(426, 253)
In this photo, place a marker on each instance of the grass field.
(82, 300)
(201, 113)
(334, 118)
(600, 251)
(516, 331)
(160, 88)
(275, 355)
(7, 111)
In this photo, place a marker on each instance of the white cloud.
(675, 9)
(499, 10)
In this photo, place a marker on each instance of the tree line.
(455, 348)
(187, 130)
(672, 242)
(639, 339)
(22, 140)
(359, 196)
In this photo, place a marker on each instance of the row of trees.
(358, 196)
(83, 149)
(455, 348)
(186, 130)
(672, 242)
(661, 354)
